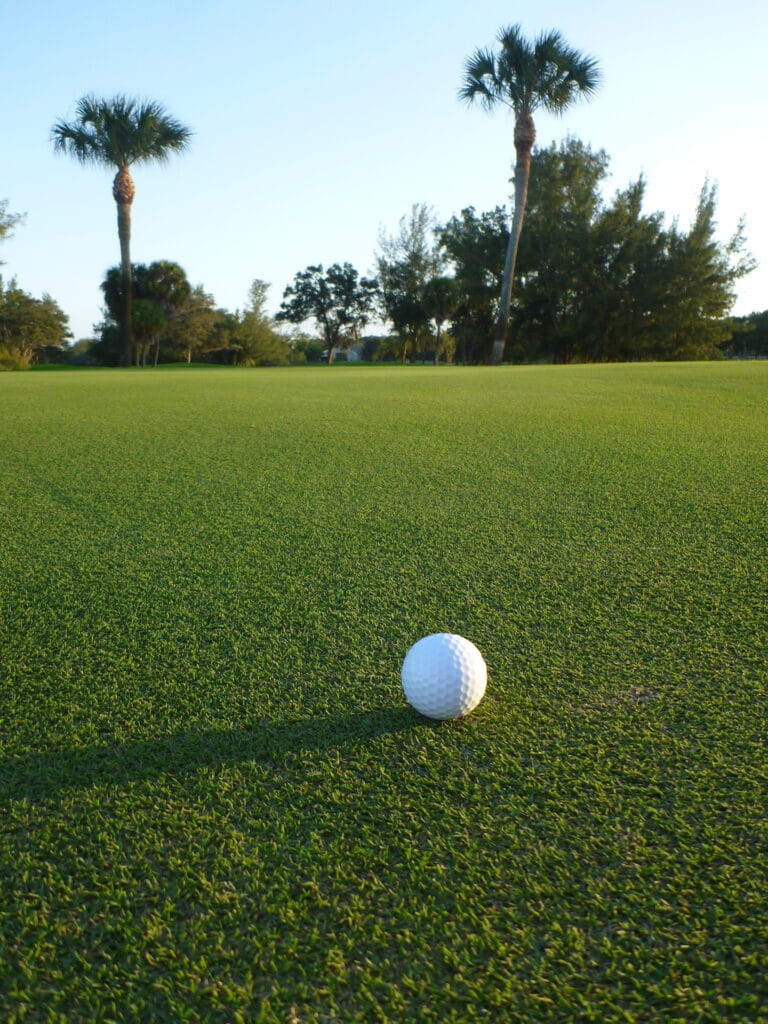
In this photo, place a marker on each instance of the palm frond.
(517, 69)
(480, 79)
(78, 138)
(586, 73)
(524, 76)
(157, 134)
(564, 73)
(511, 38)
(119, 132)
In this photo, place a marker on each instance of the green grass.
(215, 805)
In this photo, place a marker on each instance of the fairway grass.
(215, 804)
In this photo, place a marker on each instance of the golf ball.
(444, 676)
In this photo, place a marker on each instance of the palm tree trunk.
(123, 191)
(525, 136)
(126, 284)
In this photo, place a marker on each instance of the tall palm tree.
(118, 133)
(525, 76)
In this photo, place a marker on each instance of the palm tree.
(524, 76)
(118, 133)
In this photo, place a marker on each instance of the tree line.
(588, 279)
(598, 280)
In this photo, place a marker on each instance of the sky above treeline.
(318, 125)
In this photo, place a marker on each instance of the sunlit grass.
(216, 805)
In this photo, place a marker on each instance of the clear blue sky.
(318, 124)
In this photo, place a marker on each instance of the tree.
(338, 300)
(221, 345)
(193, 325)
(406, 261)
(149, 320)
(605, 280)
(259, 343)
(304, 348)
(598, 279)
(620, 270)
(439, 300)
(609, 281)
(119, 133)
(8, 221)
(475, 246)
(247, 338)
(699, 292)
(750, 336)
(524, 77)
(29, 327)
(562, 257)
(163, 284)
(83, 352)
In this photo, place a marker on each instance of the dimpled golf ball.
(444, 676)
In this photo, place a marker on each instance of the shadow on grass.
(38, 776)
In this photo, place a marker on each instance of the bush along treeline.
(598, 279)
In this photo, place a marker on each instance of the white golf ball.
(444, 676)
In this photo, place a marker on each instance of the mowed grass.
(216, 805)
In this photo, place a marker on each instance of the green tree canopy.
(599, 279)
(260, 343)
(606, 280)
(163, 284)
(191, 329)
(749, 336)
(338, 300)
(30, 328)
(406, 262)
(474, 244)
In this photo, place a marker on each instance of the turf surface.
(215, 805)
